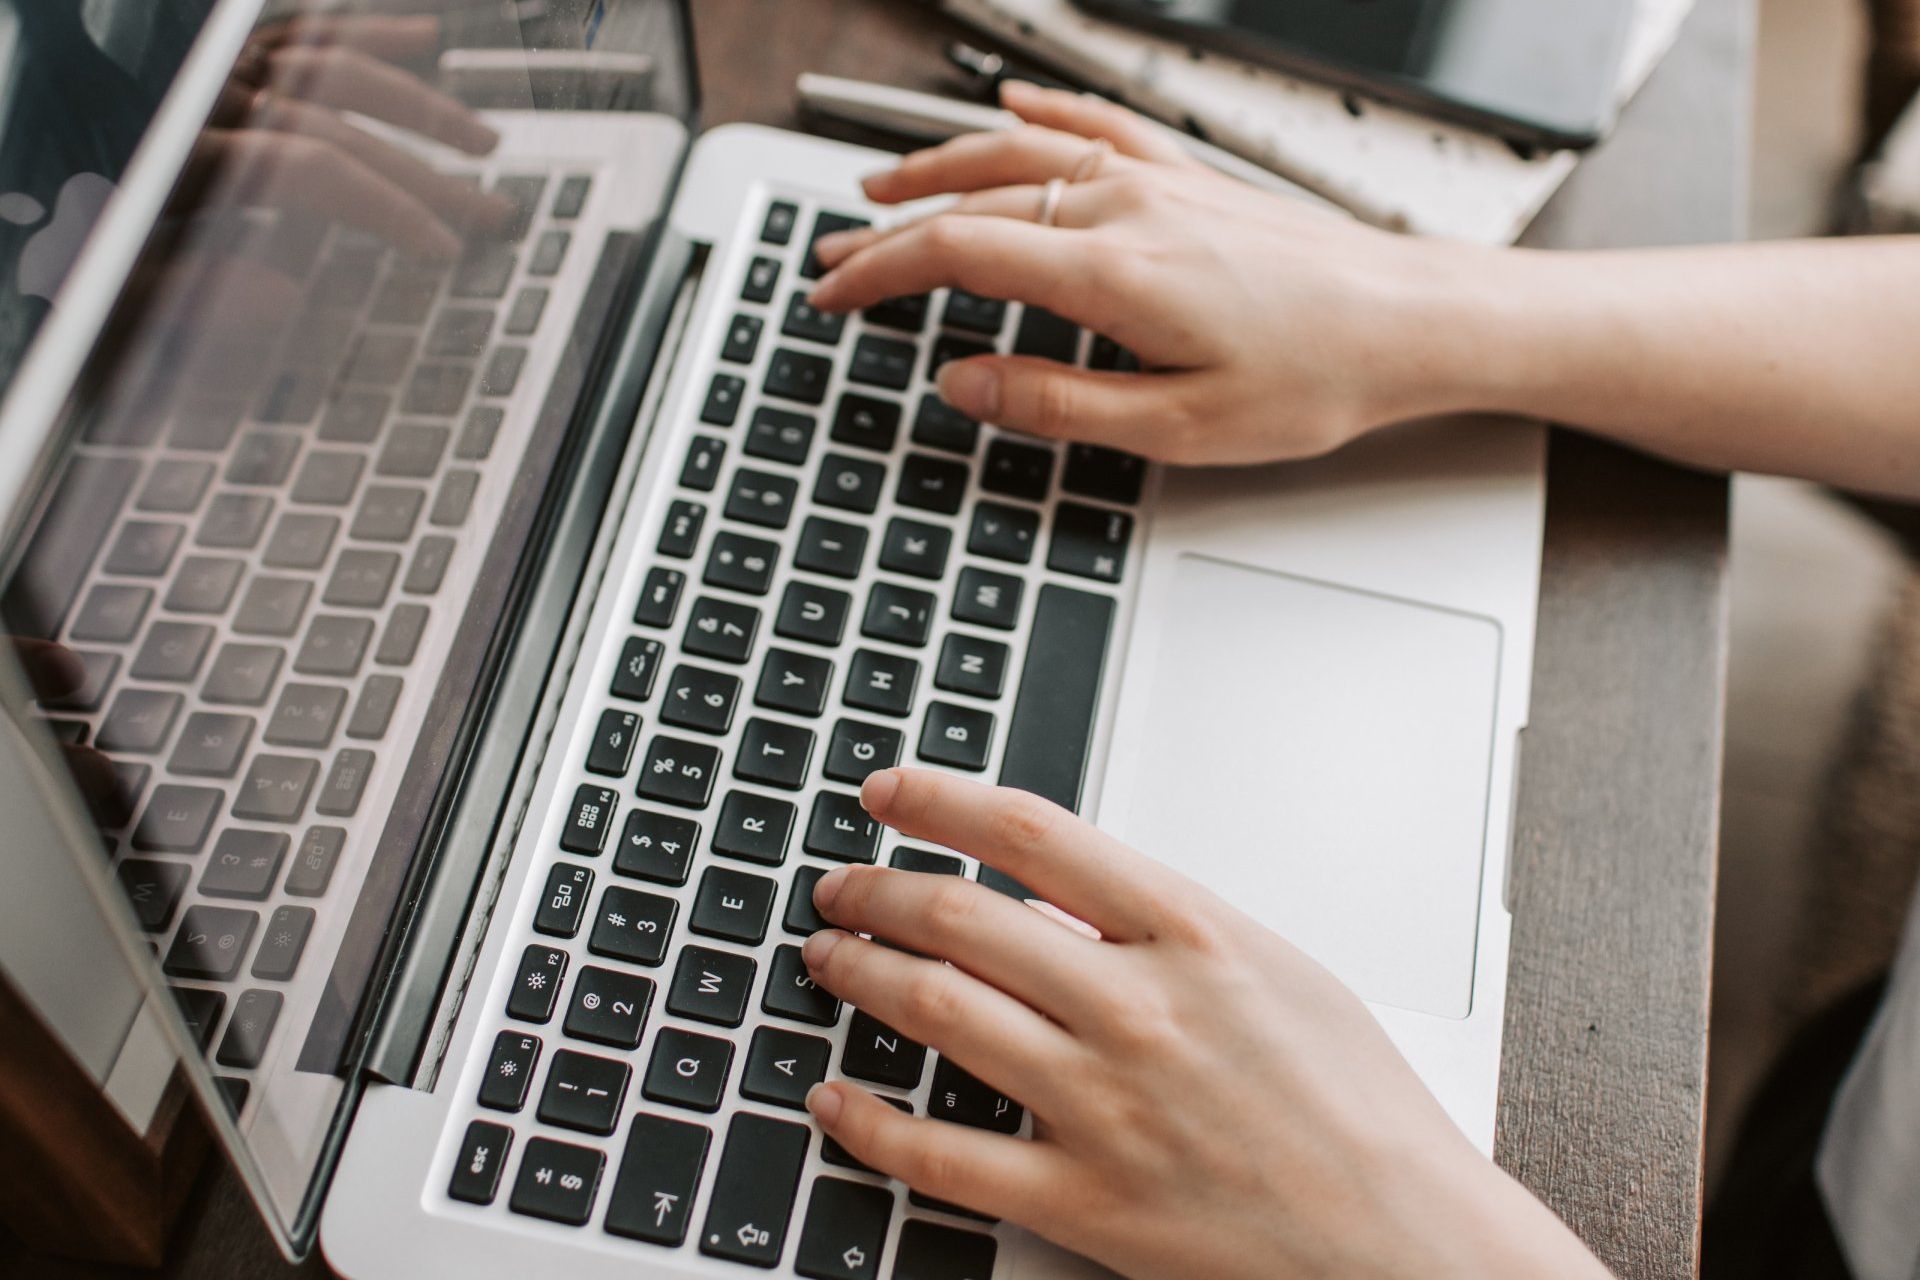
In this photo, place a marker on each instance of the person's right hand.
(1270, 329)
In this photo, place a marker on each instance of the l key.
(754, 1190)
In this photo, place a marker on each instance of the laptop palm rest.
(1322, 760)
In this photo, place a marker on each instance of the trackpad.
(1320, 757)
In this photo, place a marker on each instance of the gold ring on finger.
(1050, 201)
(1090, 163)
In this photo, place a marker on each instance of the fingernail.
(824, 1103)
(877, 792)
(877, 181)
(819, 946)
(1010, 89)
(972, 387)
(823, 288)
(827, 888)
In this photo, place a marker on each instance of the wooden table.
(1604, 1078)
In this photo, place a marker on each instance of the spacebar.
(1052, 728)
(54, 565)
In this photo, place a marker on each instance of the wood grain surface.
(1603, 1082)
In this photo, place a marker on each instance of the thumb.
(1143, 413)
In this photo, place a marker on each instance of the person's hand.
(52, 672)
(1270, 329)
(1207, 1101)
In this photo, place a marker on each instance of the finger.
(989, 1173)
(988, 1032)
(351, 81)
(99, 785)
(395, 37)
(998, 257)
(1004, 943)
(978, 161)
(1078, 207)
(1139, 412)
(1070, 863)
(1091, 116)
(52, 669)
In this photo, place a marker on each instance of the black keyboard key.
(795, 375)
(210, 943)
(248, 1030)
(732, 905)
(536, 986)
(639, 666)
(172, 651)
(680, 535)
(1003, 533)
(53, 565)
(688, 1069)
(679, 772)
(743, 339)
(960, 1098)
(509, 1075)
(244, 864)
(857, 749)
(774, 754)
(840, 829)
(557, 1181)
(763, 277)
(720, 629)
(283, 943)
(233, 521)
(1108, 355)
(913, 548)
(177, 819)
(1093, 471)
(882, 362)
(794, 682)
(111, 612)
(780, 435)
(833, 1153)
(809, 324)
(831, 547)
(971, 665)
(243, 674)
(845, 1229)
(700, 699)
(523, 318)
(211, 745)
(881, 682)
(373, 711)
(549, 251)
(97, 672)
(412, 450)
(201, 1011)
(571, 195)
(938, 425)
(633, 926)
(233, 1092)
(802, 916)
(139, 720)
(656, 846)
(523, 192)
(659, 597)
(175, 487)
(276, 789)
(1089, 542)
(339, 796)
(274, 607)
(564, 901)
(929, 1251)
(145, 548)
(973, 313)
(477, 1164)
(753, 828)
(314, 860)
(932, 484)
(660, 1170)
(825, 225)
(1017, 470)
(782, 1065)
(609, 1007)
(612, 750)
(701, 471)
(758, 497)
(387, 513)
(988, 599)
(334, 645)
(1051, 729)
(899, 614)
(908, 313)
(849, 484)
(153, 889)
(792, 992)
(926, 862)
(754, 1189)
(866, 423)
(460, 332)
(817, 615)
(782, 215)
(723, 400)
(711, 986)
(1046, 335)
(204, 584)
(958, 736)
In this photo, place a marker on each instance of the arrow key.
(782, 1065)
(659, 1174)
(846, 1226)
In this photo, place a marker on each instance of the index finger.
(352, 81)
(996, 257)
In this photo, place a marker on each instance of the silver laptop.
(433, 688)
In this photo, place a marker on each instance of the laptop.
(434, 687)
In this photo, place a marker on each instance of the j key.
(857, 749)
(840, 829)
(656, 846)
(509, 1072)
(926, 862)
(763, 276)
(659, 597)
(802, 917)
(711, 986)
(557, 1181)
(720, 629)
(743, 339)
(565, 900)
(850, 484)
(1093, 471)
(781, 217)
(210, 943)
(913, 548)
(795, 375)
(938, 425)
(244, 864)
(723, 400)
(611, 752)
(866, 423)
(753, 828)
(792, 992)
(477, 1164)
(1089, 542)
(987, 599)
(1017, 470)
(211, 745)
(201, 1010)
(680, 536)
(779, 435)
(782, 1065)
(878, 1053)
(795, 682)
(833, 1153)
(846, 1227)
(739, 563)
(881, 682)
(882, 362)
(899, 614)
(908, 313)
(1003, 533)
(804, 322)
(971, 665)
(536, 987)
(609, 1007)
(660, 1170)
(1111, 356)
(701, 470)
(275, 789)
(154, 889)
(929, 1251)
(700, 699)
(314, 860)
(957, 736)
(633, 926)
(282, 943)
(817, 615)
(688, 1069)
(831, 547)
(1044, 334)
(639, 666)
(732, 905)
(973, 313)
(774, 754)
(962, 1099)
(932, 484)
(754, 1189)
(758, 497)
(679, 772)
(177, 819)
(589, 819)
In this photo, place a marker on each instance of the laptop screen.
(303, 314)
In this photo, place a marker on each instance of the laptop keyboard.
(840, 574)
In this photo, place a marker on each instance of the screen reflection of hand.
(53, 672)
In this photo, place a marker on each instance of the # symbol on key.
(617, 920)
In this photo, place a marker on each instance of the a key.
(973, 313)
(659, 597)
(633, 926)
(743, 339)
(557, 1181)
(856, 749)
(140, 720)
(1046, 335)
(413, 450)
(877, 1053)
(792, 992)
(387, 513)
(711, 986)
(795, 375)
(817, 615)
(536, 985)
(638, 668)
(211, 745)
(201, 1011)
(732, 905)
(1003, 533)
(210, 943)
(782, 215)
(172, 651)
(1089, 542)
(701, 471)
(866, 423)
(804, 322)
(938, 425)
(736, 562)
(844, 1230)
(233, 521)
(931, 484)
(972, 665)
(609, 1007)
(509, 1073)
(840, 829)
(908, 313)
(680, 535)
(275, 789)
(177, 819)
(793, 682)
(314, 859)
(361, 579)
(926, 862)
(144, 548)
(153, 888)
(987, 599)
(754, 1189)
(774, 754)
(915, 548)
(762, 498)
(898, 614)
(1017, 470)
(720, 629)
(243, 674)
(849, 484)
(564, 902)
(882, 362)
(611, 751)
(882, 682)
(723, 400)
(753, 828)
(112, 613)
(688, 1069)
(656, 846)
(589, 819)
(958, 1097)
(652, 1197)
(248, 1031)
(244, 864)
(1093, 471)
(827, 224)
(831, 547)
(273, 606)
(477, 1164)
(930, 1251)
(763, 277)
(956, 736)
(282, 943)
(204, 584)
(571, 195)
(779, 435)
(339, 795)
(335, 645)
(679, 772)
(373, 711)
(698, 698)
(782, 1065)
